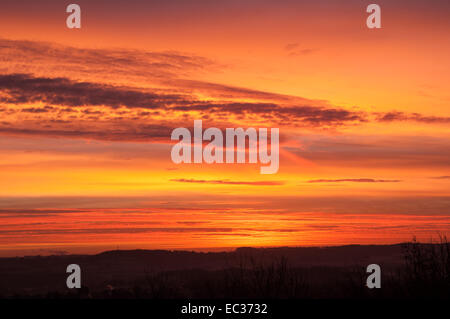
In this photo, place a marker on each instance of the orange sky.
(86, 117)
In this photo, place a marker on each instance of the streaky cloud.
(229, 182)
(355, 180)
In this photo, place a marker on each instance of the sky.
(86, 117)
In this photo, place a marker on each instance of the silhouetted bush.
(426, 272)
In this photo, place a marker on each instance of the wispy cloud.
(401, 152)
(416, 117)
(140, 133)
(124, 230)
(354, 180)
(228, 182)
(50, 58)
(294, 49)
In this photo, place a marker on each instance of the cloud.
(228, 182)
(189, 223)
(37, 109)
(24, 88)
(142, 133)
(440, 177)
(356, 180)
(417, 117)
(167, 69)
(60, 74)
(44, 58)
(173, 70)
(291, 46)
(291, 115)
(294, 50)
(302, 52)
(207, 204)
(114, 230)
(400, 152)
(234, 92)
(160, 93)
(39, 211)
(89, 110)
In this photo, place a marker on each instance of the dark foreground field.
(410, 270)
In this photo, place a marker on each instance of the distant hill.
(45, 273)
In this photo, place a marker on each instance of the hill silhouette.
(284, 272)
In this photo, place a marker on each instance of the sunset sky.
(86, 117)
